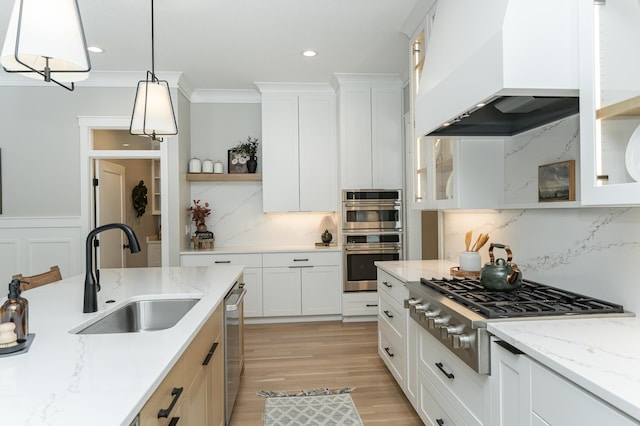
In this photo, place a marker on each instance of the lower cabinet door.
(321, 291)
(281, 292)
(215, 385)
(194, 407)
(253, 298)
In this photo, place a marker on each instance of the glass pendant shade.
(45, 41)
(153, 110)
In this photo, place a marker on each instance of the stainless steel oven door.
(357, 216)
(360, 272)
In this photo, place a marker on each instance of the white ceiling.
(230, 44)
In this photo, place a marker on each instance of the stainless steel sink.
(142, 316)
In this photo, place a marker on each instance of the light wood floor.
(303, 356)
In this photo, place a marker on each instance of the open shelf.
(224, 177)
(627, 108)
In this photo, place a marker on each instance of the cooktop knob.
(437, 322)
(461, 341)
(449, 330)
(408, 303)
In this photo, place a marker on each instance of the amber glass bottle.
(16, 310)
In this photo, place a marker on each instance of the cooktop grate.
(532, 299)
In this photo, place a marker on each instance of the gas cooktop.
(532, 299)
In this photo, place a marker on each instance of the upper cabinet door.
(370, 131)
(318, 172)
(610, 103)
(280, 181)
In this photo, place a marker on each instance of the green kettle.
(500, 275)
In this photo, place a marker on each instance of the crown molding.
(215, 96)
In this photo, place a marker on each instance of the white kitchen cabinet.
(527, 393)
(370, 131)
(609, 102)
(457, 389)
(360, 306)
(299, 151)
(465, 173)
(301, 283)
(252, 272)
(392, 325)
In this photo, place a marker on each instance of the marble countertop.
(262, 249)
(104, 379)
(413, 270)
(602, 355)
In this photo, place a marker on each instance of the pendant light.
(153, 110)
(45, 41)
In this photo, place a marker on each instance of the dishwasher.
(233, 357)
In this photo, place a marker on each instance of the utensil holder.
(470, 261)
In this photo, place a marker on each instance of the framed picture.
(556, 182)
(236, 162)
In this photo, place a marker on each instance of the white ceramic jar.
(470, 261)
(207, 166)
(218, 167)
(195, 166)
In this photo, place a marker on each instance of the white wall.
(594, 251)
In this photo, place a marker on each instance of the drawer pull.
(372, 305)
(387, 284)
(301, 266)
(210, 354)
(509, 348)
(176, 392)
(441, 368)
(300, 260)
(222, 261)
(389, 352)
(387, 313)
(440, 421)
(174, 421)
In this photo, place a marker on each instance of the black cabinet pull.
(210, 354)
(176, 392)
(372, 305)
(300, 260)
(440, 421)
(174, 421)
(510, 348)
(389, 352)
(387, 284)
(388, 314)
(441, 368)
(300, 266)
(222, 261)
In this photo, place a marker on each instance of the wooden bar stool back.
(27, 283)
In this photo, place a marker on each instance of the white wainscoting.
(31, 245)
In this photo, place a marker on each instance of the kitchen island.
(102, 379)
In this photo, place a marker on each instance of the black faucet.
(90, 284)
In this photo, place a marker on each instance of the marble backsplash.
(593, 251)
(237, 218)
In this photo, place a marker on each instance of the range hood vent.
(517, 59)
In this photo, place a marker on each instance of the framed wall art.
(556, 181)
(237, 162)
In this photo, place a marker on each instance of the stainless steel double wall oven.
(371, 231)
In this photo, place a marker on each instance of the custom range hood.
(499, 67)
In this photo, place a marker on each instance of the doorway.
(106, 146)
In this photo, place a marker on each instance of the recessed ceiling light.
(309, 53)
(95, 49)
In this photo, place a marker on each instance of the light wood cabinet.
(370, 131)
(299, 148)
(192, 393)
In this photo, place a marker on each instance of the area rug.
(320, 407)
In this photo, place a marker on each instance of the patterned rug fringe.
(313, 392)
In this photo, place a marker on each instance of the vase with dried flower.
(248, 151)
(199, 214)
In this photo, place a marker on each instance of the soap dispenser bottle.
(16, 310)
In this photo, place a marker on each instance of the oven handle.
(234, 307)
(365, 204)
(360, 250)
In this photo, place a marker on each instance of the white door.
(110, 209)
